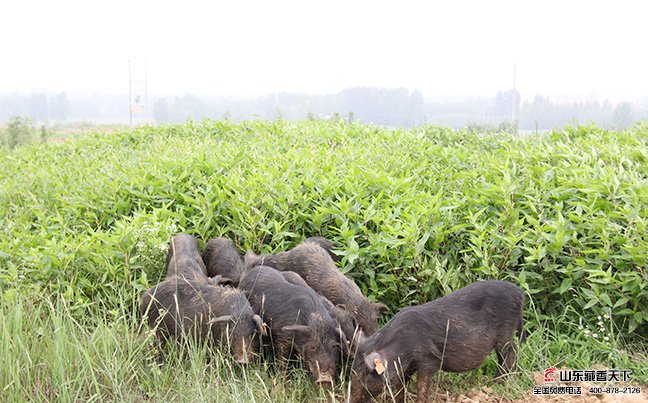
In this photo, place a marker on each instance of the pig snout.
(324, 378)
(325, 381)
(243, 353)
(243, 360)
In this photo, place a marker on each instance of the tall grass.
(51, 353)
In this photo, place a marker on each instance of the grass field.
(84, 226)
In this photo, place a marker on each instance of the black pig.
(184, 260)
(344, 319)
(316, 267)
(454, 333)
(181, 308)
(223, 259)
(299, 322)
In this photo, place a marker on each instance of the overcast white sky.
(249, 47)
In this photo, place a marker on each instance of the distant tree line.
(43, 107)
(399, 107)
(544, 114)
(540, 114)
(382, 106)
(38, 106)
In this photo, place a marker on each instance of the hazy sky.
(585, 48)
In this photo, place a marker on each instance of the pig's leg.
(278, 350)
(160, 345)
(359, 392)
(507, 356)
(425, 372)
(397, 387)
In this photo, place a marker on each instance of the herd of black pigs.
(297, 304)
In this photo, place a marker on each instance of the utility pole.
(145, 89)
(130, 95)
(513, 96)
(137, 90)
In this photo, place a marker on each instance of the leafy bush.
(416, 213)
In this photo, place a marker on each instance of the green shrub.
(416, 213)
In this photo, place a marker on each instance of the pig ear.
(379, 307)
(221, 319)
(250, 260)
(225, 280)
(218, 280)
(360, 337)
(371, 359)
(300, 332)
(260, 325)
(298, 329)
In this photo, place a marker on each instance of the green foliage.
(483, 128)
(416, 213)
